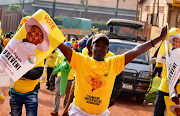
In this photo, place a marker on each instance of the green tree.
(13, 7)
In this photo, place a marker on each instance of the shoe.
(53, 113)
(47, 88)
(51, 88)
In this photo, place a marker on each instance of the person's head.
(175, 40)
(37, 33)
(34, 35)
(68, 43)
(88, 45)
(176, 43)
(100, 46)
(73, 40)
(82, 44)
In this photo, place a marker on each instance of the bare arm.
(144, 47)
(66, 50)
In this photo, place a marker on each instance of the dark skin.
(177, 110)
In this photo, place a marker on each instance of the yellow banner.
(170, 106)
(176, 3)
(33, 42)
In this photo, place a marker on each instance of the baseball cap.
(68, 43)
(98, 36)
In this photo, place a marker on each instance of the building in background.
(159, 12)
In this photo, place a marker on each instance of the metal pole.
(53, 11)
(22, 13)
(116, 11)
(86, 8)
(136, 10)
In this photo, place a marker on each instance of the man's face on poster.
(176, 43)
(34, 35)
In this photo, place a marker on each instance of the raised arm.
(144, 47)
(66, 50)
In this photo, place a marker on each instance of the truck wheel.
(140, 97)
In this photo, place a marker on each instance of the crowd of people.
(84, 70)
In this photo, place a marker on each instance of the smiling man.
(86, 101)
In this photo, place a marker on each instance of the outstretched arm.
(144, 47)
(66, 50)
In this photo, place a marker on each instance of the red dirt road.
(123, 107)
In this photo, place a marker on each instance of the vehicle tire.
(140, 97)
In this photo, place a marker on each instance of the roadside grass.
(151, 96)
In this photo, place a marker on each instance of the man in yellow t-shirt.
(95, 75)
(51, 59)
(118, 81)
(164, 89)
(25, 92)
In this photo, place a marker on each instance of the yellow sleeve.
(85, 51)
(119, 63)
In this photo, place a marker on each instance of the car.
(137, 74)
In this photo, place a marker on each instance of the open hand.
(163, 32)
(175, 99)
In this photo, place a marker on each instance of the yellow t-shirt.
(95, 81)
(159, 64)
(24, 85)
(51, 59)
(164, 83)
(85, 52)
(71, 72)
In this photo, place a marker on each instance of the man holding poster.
(33, 42)
(23, 60)
(169, 83)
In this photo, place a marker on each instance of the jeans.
(57, 94)
(30, 101)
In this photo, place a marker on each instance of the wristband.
(152, 43)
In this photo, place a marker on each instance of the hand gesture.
(175, 99)
(163, 32)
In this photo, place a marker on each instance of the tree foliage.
(13, 7)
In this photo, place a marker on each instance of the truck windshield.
(118, 49)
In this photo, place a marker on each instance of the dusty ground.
(123, 107)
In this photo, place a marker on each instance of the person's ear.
(108, 50)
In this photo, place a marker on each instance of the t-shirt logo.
(96, 82)
(93, 100)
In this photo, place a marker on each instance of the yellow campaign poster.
(170, 106)
(33, 42)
